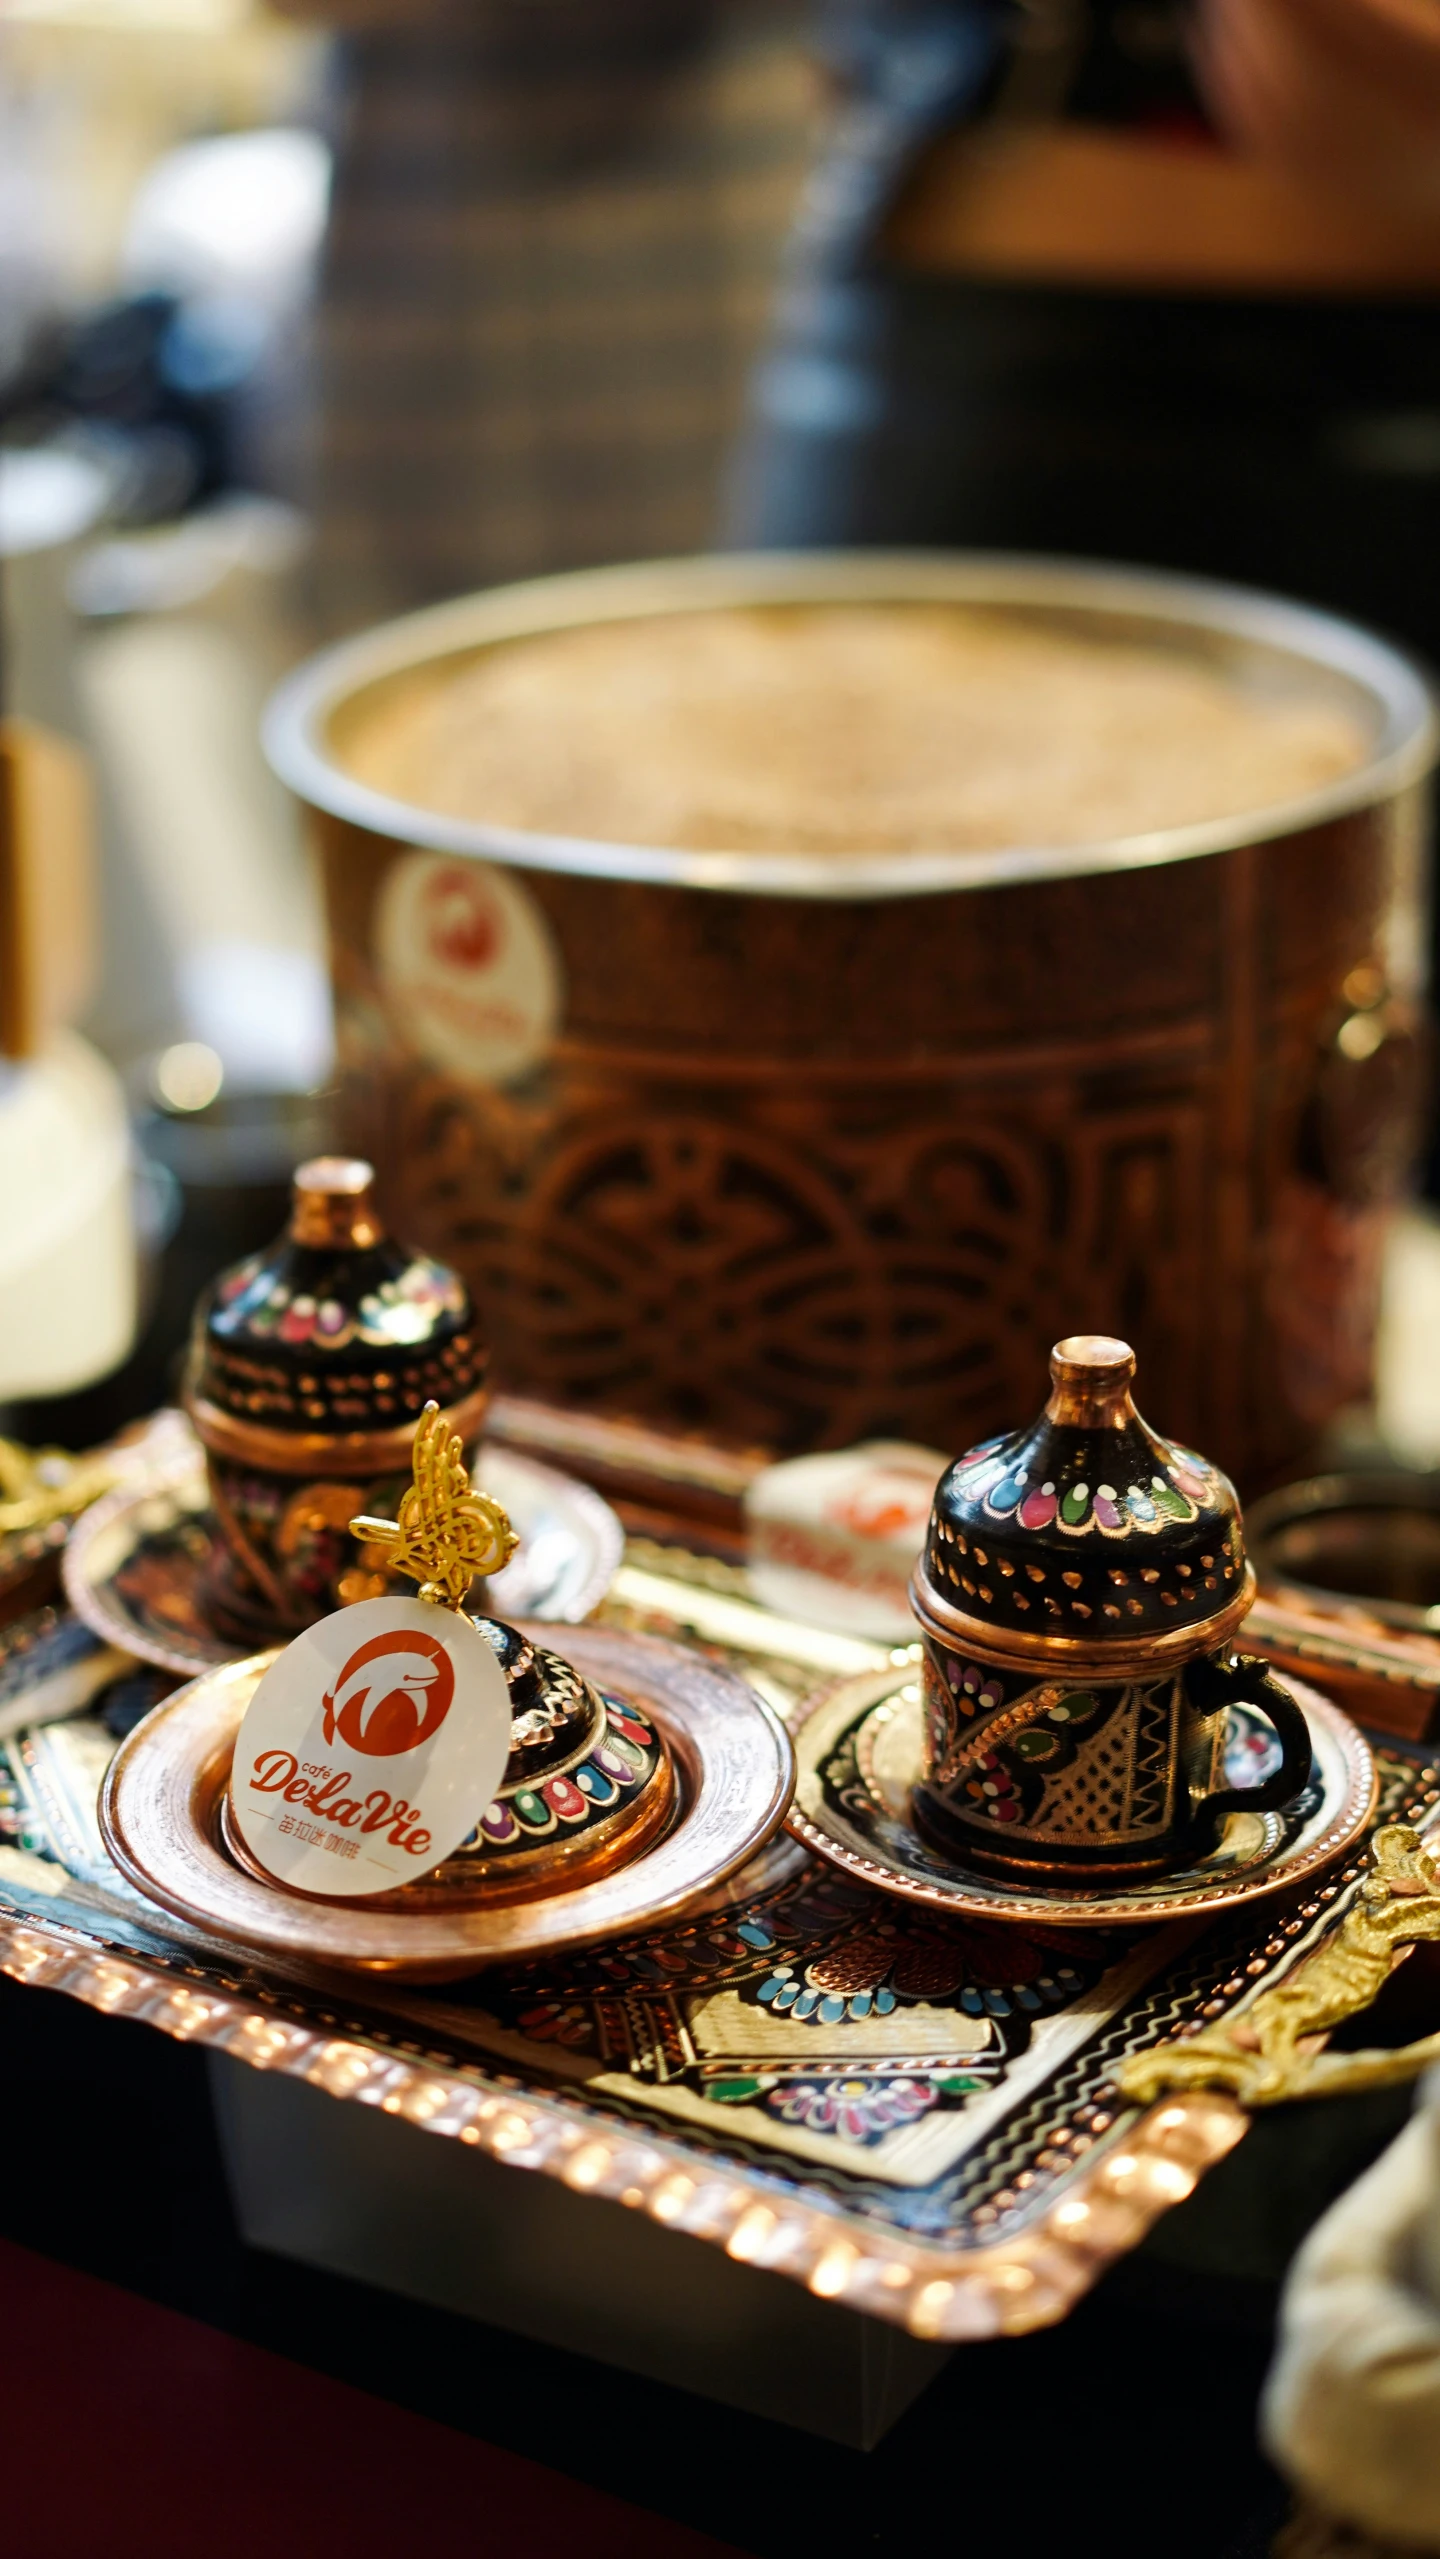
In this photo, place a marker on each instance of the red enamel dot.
(630, 1726)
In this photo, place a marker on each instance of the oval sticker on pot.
(468, 966)
(371, 1748)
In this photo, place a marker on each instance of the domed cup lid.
(336, 1334)
(589, 1781)
(1086, 1533)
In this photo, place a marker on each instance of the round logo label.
(371, 1748)
(468, 965)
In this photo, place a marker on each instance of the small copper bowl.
(1370, 1540)
(589, 1783)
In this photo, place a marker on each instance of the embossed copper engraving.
(797, 1172)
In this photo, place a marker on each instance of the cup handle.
(1246, 1680)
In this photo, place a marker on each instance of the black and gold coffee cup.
(310, 1366)
(1079, 1593)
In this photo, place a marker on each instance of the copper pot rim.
(298, 728)
(1338, 1493)
(315, 1454)
(1120, 1658)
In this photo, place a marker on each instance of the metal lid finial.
(333, 1204)
(1092, 1375)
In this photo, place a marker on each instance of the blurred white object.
(1351, 2411)
(208, 846)
(48, 496)
(49, 500)
(188, 1075)
(241, 216)
(67, 1247)
(1407, 1360)
(180, 564)
(264, 1012)
(833, 1539)
(93, 92)
(67, 1231)
(172, 565)
(233, 228)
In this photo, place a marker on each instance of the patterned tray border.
(1025, 2281)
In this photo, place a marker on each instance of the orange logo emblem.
(392, 1694)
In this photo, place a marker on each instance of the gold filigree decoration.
(40, 1485)
(1273, 2050)
(446, 1532)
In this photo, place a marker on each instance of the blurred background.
(313, 312)
(306, 318)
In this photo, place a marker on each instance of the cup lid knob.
(1091, 1377)
(333, 1204)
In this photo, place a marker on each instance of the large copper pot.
(792, 1150)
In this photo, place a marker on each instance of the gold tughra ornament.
(446, 1532)
(1272, 2050)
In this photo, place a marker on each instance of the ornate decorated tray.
(914, 2113)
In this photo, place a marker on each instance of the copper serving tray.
(986, 2215)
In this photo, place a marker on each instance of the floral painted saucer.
(859, 1755)
(135, 1561)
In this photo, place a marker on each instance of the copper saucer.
(160, 1816)
(858, 1753)
(134, 1560)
